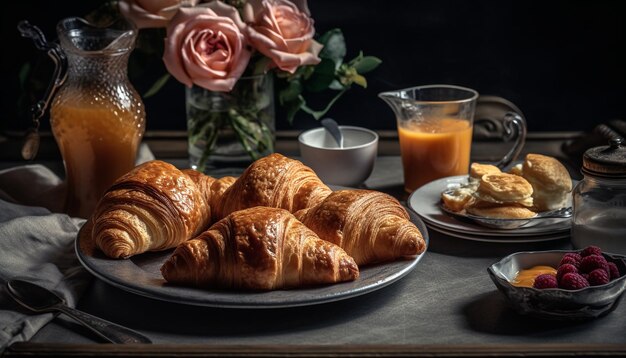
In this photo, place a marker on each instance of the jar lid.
(606, 161)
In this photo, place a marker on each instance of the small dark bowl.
(556, 303)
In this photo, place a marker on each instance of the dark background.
(562, 62)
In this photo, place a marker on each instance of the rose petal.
(151, 13)
(206, 47)
(283, 31)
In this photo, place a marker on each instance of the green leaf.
(157, 85)
(359, 80)
(322, 77)
(367, 64)
(252, 132)
(336, 85)
(334, 46)
(292, 107)
(290, 92)
(260, 67)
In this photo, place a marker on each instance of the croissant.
(203, 183)
(370, 226)
(218, 188)
(274, 181)
(258, 248)
(211, 188)
(153, 207)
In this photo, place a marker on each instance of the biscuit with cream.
(458, 198)
(477, 170)
(550, 180)
(503, 188)
(516, 169)
(498, 211)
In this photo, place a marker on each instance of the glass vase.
(231, 129)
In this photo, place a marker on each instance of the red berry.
(585, 276)
(592, 262)
(563, 269)
(613, 270)
(545, 281)
(569, 259)
(598, 277)
(573, 281)
(591, 250)
(575, 255)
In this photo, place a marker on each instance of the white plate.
(501, 239)
(141, 275)
(425, 202)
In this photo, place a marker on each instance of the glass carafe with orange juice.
(96, 115)
(435, 125)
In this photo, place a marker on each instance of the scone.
(499, 211)
(503, 188)
(477, 170)
(502, 196)
(516, 169)
(550, 181)
(458, 198)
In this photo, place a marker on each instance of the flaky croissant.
(212, 189)
(259, 248)
(153, 207)
(370, 226)
(203, 183)
(274, 181)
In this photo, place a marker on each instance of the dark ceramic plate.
(141, 275)
(554, 303)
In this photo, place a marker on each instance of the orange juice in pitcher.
(435, 131)
(98, 145)
(435, 124)
(96, 115)
(434, 149)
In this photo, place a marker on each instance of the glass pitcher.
(96, 115)
(435, 129)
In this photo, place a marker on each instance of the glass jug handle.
(514, 127)
(54, 51)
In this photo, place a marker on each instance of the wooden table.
(446, 306)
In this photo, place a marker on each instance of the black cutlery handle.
(110, 331)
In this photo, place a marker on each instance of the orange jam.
(526, 278)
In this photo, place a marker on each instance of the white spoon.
(333, 128)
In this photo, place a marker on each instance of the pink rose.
(206, 46)
(283, 31)
(152, 13)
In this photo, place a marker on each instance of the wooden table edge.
(24, 349)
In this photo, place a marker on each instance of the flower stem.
(319, 114)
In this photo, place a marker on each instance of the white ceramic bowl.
(347, 166)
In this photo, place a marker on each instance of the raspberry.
(573, 281)
(545, 281)
(570, 259)
(598, 277)
(563, 269)
(613, 270)
(575, 255)
(591, 250)
(592, 262)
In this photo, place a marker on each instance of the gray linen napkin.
(37, 244)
